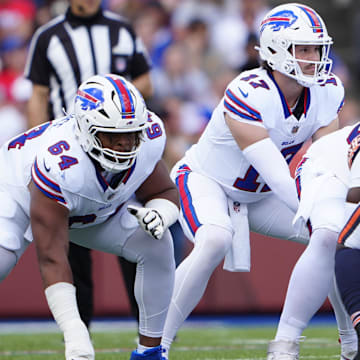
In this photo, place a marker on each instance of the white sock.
(141, 348)
(309, 284)
(192, 276)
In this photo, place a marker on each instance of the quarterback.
(236, 178)
(95, 178)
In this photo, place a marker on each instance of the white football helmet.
(289, 25)
(109, 104)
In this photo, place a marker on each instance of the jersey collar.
(286, 108)
(75, 20)
(121, 177)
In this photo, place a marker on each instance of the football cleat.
(349, 344)
(151, 354)
(283, 350)
(165, 353)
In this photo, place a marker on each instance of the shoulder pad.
(241, 99)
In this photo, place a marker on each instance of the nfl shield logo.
(120, 64)
(294, 130)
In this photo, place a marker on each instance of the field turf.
(197, 343)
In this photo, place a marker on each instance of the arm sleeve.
(274, 169)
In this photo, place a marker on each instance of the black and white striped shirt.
(69, 49)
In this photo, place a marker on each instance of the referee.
(63, 53)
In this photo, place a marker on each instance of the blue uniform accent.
(45, 180)
(278, 20)
(186, 201)
(127, 104)
(239, 113)
(151, 354)
(19, 141)
(243, 105)
(90, 99)
(314, 19)
(347, 265)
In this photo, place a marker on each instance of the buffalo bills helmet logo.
(90, 98)
(278, 20)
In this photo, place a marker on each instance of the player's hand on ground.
(149, 219)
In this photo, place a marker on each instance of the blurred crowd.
(196, 47)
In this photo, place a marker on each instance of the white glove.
(149, 219)
(78, 345)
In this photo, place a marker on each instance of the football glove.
(149, 219)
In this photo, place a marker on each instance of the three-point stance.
(95, 178)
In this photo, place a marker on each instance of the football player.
(237, 177)
(347, 258)
(95, 178)
(322, 179)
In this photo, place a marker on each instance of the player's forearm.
(54, 269)
(52, 245)
(170, 194)
(144, 85)
(270, 164)
(37, 108)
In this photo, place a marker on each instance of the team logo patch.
(90, 99)
(281, 19)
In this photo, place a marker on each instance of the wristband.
(168, 211)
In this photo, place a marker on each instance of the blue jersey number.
(59, 148)
(19, 141)
(249, 181)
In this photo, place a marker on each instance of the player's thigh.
(328, 205)
(142, 248)
(109, 236)
(14, 225)
(271, 217)
(203, 201)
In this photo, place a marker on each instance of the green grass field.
(213, 343)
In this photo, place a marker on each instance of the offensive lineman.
(236, 177)
(75, 178)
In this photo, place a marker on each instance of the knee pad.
(8, 261)
(214, 238)
(324, 240)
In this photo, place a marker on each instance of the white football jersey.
(334, 153)
(52, 158)
(254, 97)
